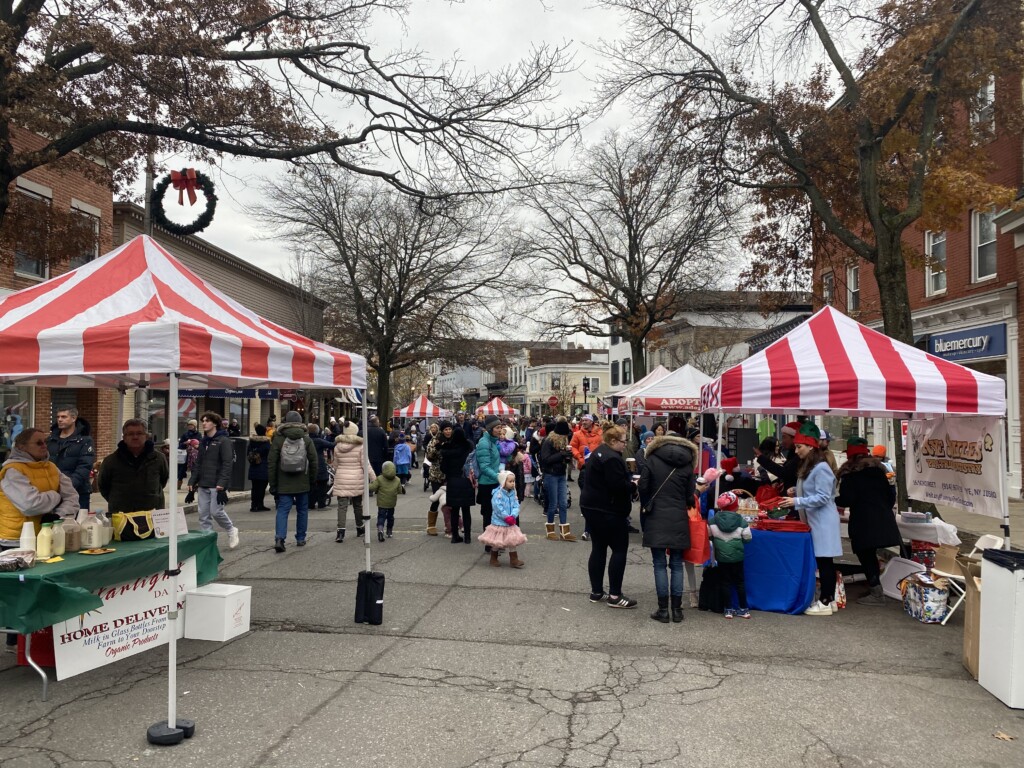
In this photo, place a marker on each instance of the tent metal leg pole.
(172, 730)
(366, 484)
(1005, 482)
(718, 453)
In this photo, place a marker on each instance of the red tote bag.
(700, 542)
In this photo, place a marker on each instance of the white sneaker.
(818, 608)
(233, 538)
(834, 606)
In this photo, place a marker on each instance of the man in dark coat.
(865, 490)
(376, 445)
(667, 483)
(258, 458)
(324, 449)
(291, 488)
(71, 449)
(211, 477)
(133, 477)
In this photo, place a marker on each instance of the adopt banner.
(956, 462)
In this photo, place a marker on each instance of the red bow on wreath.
(185, 181)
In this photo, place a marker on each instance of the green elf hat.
(809, 434)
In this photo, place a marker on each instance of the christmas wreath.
(186, 181)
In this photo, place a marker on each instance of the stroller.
(541, 496)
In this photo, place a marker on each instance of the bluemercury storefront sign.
(133, 619)
(974, 343)
(956, 462)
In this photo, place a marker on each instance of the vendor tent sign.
(133, 619)
(957, 462)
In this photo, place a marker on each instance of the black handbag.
(370, 598)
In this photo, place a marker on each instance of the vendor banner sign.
(956, 462)
(133, 619)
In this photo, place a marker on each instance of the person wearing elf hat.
(813, 498)
(864, 489)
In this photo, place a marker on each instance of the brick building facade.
(966, 286)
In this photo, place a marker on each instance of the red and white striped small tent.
(136, 314)
(678, 392)
(497, 407)
(832, 363)
(420, 408)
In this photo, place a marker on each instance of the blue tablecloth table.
(779, 571)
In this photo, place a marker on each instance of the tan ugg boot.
(550, 528)
(514, 561)
(565, 534)
(494, 559)
(431, 523)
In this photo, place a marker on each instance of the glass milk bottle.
(59, 539)
(44, 542)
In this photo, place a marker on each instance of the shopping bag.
(768, 497)
(710, 596)
(370, 598)
(700, 543)
(840, 590)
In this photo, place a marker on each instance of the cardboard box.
(971, 570)
(217, 612)
(945, 559)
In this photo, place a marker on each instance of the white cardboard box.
(217, 612)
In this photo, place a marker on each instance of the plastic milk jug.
(106, 527)
(28, 536)
(72, 535)
(59, 539)
(92, 532)
(44, 542)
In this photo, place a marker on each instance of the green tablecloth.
(45, 594)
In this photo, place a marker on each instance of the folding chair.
(946, 567)
(897, 569)
(986, 541)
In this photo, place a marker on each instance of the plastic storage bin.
(217, 612)
(1001, 641)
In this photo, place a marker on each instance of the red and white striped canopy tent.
(678, 392)
(832, 364)
(497, 407)
(421, 408)
(135, 315)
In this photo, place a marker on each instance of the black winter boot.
(677, 608)
(662, 613)
(279, 545)
(340, 538)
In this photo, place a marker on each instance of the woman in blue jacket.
(814, 498)
(489, 460)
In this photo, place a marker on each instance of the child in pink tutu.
(503, 532)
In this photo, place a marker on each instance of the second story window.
(853, 289)
(627, 371)
(828, 288)
(615, 373)
(983, 116)
(32, 224)
(935, 271)
(983, 245)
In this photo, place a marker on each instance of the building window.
(614, 340)
(828, 288)
(615, 373)
(595, 384)
(627, 371)
(983, 116)
(533, 381)
(935, 270)
(853, 289)
(90, 225)
(30, 248)
(983, 244)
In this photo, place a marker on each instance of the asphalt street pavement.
(487, 667)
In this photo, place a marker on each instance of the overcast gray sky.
(484, 34)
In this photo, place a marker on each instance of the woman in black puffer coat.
(667, 482)
(865, 490)
(460, 494)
